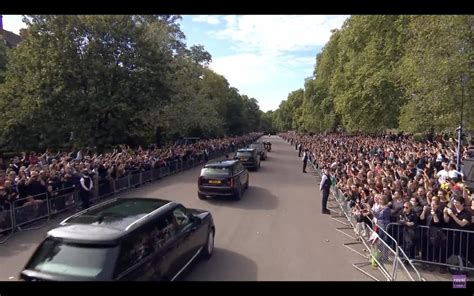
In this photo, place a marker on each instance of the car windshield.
(72, 259)
(216, 171)
(256, 146)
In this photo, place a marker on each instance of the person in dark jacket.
(409, 220)
(85, 188)
(434, 240)
(305, 159)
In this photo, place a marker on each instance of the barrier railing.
(135, 178)
(385, 253)
(146, 176)
(6, 224)
(121, 184)
(43, 206)
(65, 200)
(30, 209)
(433, 245)
(106, 188)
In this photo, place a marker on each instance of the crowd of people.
(30, 177)
(395, 179)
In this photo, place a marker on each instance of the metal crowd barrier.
(65, 200)
(122, 183)
(432, 245)
(135, 178)
(106, 188)
(146, 176)
(386, 255)
(6, 225)
(28, 210)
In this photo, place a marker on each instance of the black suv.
(249, 157)
(223, 178)
(260, 149)
(123, 239)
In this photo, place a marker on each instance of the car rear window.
(216, 171)
(72, 259)
(244, 153)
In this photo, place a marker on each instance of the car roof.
(111, 220)
(246, 150)
(222, 163)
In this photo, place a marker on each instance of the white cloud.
(230, 19)
(272, 54)
(244, 69)
(276, 33)
(13, 23)
(210, 19)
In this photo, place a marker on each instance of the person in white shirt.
(453, 174)
(442, 175)
(324, 187)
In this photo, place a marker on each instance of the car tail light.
(231, 182)
(200, 179)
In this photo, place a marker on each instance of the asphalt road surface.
(276, 232)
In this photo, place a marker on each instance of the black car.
(123, 239)
(260, 149)
(249, 157)
(223, 178)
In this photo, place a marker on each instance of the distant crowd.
(400, 184)
(32, 176)
(393, 171)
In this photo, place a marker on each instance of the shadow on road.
(224, 265)
(254, 198)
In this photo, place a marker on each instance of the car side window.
(181, 216)
(164, 231)
(133, 249)
(145, 242)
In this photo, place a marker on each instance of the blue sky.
(264, 56)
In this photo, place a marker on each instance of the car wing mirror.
(196, 220)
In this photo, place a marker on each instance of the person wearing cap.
(85, 188)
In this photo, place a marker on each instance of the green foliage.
(385, 72)
(3, 60)
(113, 79)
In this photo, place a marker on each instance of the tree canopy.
(94, 80)
(388, 72)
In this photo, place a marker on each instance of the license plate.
(214, 181)
(243, 159)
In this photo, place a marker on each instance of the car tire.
(208, 248)
(201, 196)
(247, 184)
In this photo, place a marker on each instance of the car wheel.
(238, 195)
(247, 184)
(208, 248)
(201, 196)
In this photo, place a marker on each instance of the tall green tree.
(439, 52)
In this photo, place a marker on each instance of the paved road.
(276, 232)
